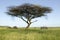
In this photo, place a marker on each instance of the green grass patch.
(30, 34)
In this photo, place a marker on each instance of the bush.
(44, 27)
(9, 27)
(15, 27)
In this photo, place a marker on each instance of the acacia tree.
(27, 12)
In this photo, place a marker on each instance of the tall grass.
(30, 34)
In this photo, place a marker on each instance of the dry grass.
(30, 34)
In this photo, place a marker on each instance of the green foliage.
(28, 11)
(30, 34)
(15, 27)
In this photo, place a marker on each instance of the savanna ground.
(29, 34)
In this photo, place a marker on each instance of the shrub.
(44, 27)
(9, 27)
(15, 27)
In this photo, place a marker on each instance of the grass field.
(30, 34)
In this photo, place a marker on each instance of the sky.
(51, 20)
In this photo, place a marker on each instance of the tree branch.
(24, 20)
(34, 21)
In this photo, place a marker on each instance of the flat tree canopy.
(28, 11)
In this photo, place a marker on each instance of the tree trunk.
(28, 25)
